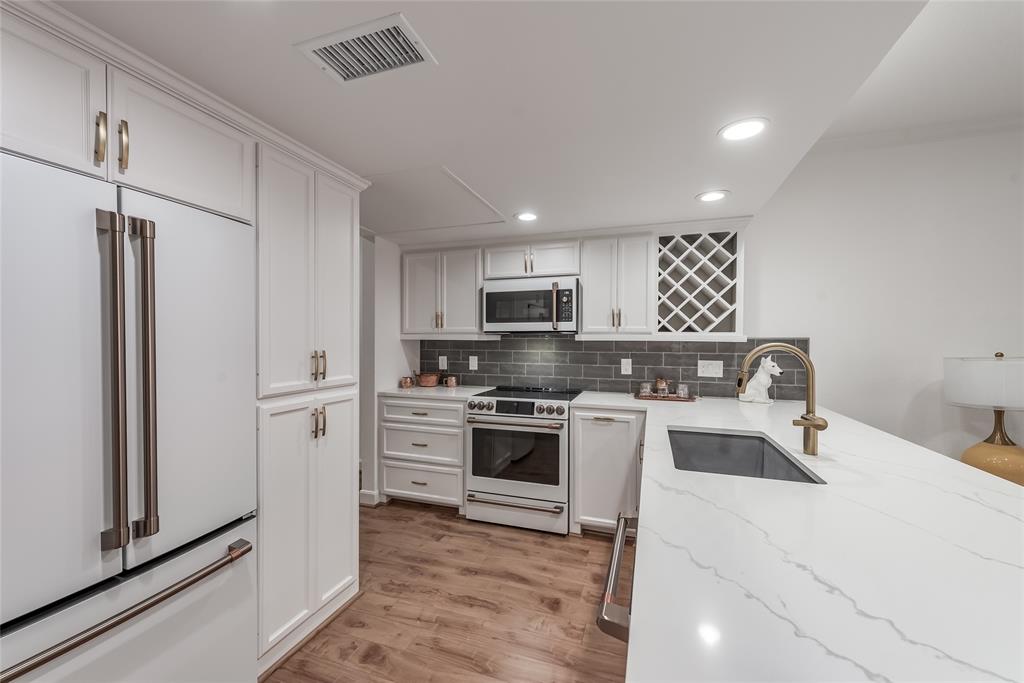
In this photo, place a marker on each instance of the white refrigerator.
(127, 434)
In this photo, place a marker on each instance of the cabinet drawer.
(447, 413)
(428, 483)
(432, 445)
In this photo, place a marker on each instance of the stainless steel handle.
(323, 421)
(618, 318)
(532, 266)
(100, 151)
(598, 418)
(611, 618)
(315, 414)
(420, 413)
(554, 509)
(117, 536)
(420, 445)
(442, 319)
(552, 425)
(554, 305)
(526, 262)
(236, 550)
(418, 483)
(315, 372)
(323, 367)
(145, 230)
(122, 133)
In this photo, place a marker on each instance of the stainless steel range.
(518, 470)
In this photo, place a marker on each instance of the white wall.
(890, 258)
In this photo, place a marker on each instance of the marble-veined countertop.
(906, 566)
(441, 393)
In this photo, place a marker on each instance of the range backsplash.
(594, 365)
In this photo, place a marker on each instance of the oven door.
(531, 305)
(522, 457)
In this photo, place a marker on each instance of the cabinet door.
(605, 447)
(420, 296)
(636, 301)
(460, 291)
(555, 258)
(286, 248)
(337, 311)
(335, 500)
(52, 94)
(286, 479)
(502, 262)
(597, 285)
(178, 151)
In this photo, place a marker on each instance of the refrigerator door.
(205, 374)
(55, 432)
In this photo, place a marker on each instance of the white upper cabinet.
(421, 297)
(606, 453)
(617, 279)
(337, 309)
(161, 144)
(54, 98)
(441, 292)
(287, 242)
(460, 291)
(544, 258)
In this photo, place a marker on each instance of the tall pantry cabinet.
(308, 410)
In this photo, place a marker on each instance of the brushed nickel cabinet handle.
(117, 535)
(315, 414)
(532, 265)
(420, 413)
(598, 418)
(323, 421)
(323, 368)
(526, 262)
(315, 358)
(420, 445)
(236, 550)
(442, 319)
(418, 483)
(145, 230)
(122, 132)
(100, 151)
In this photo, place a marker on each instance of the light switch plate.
(627, 366)
(472, 363)
(709, 368)
(442, 362)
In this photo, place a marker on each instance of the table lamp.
(997, 384)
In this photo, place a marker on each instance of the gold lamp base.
(998, 454)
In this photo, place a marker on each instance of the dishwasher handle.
(613, 619)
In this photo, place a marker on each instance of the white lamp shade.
(985, 382)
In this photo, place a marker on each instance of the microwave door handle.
(554, 305)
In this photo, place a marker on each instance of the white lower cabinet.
(308, 508)
(606, 449)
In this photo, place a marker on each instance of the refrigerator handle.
(117, 535)
(145, 230)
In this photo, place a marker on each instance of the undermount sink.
(744, 455)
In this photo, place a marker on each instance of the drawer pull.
(604, 419)
(420, 413)
(420, 445)
(418, 483)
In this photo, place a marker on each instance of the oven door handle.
(550, 425)
(554, 509)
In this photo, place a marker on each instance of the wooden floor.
(445, 599)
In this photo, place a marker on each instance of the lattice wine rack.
(698, 282)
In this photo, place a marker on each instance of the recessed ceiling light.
(741, 130)
(712, 195)
(526, 216)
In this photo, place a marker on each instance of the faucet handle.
(812, 421)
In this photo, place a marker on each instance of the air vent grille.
(367, 49)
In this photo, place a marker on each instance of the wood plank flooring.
(450, 600)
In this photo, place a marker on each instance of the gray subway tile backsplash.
(564, 363)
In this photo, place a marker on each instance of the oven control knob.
(540, 409)
(560, 410)
(489, 406)
(550, 409)
(471, 405)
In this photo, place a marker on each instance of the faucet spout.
(811, 423)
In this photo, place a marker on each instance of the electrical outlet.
(472, 363)
(442, 362)
(627, 366)
(709, 368)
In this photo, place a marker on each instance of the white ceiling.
(592, 114)
(959, 62)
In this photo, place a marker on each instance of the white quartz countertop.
(442, 393)
(905, 566)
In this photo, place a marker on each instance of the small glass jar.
(682, 390)
(645, 388)
(663, 389)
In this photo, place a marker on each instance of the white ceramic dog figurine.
(757, 386)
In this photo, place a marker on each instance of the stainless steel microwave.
(533, 304)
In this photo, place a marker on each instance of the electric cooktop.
(537, 393)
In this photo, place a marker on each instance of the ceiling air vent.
(367, 49)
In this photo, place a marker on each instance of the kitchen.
(439, 341)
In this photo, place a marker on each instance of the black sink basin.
(743, 455)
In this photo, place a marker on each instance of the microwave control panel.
(565, 305)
